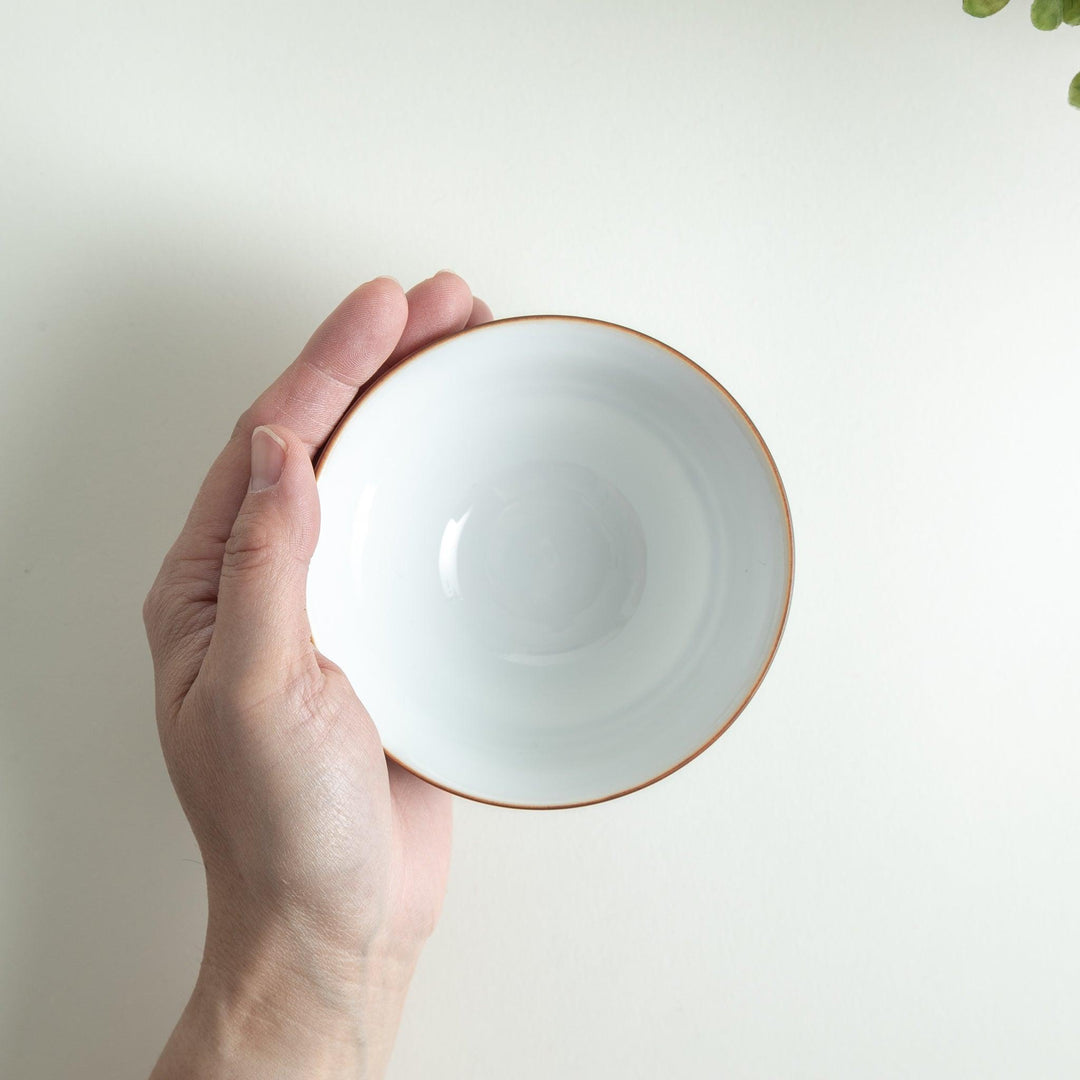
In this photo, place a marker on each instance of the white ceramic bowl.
(555, 560)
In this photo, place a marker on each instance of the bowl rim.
(388, 370)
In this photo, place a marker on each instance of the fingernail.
(267, 458)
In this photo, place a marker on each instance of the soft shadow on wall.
(149, 335)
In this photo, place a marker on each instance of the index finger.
(308, 397)
(372, 325)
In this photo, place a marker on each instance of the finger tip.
(381, 297)
(481, 313)
(450, 294)
(385, 281)
(385, 289)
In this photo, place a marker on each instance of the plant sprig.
(1045, 15)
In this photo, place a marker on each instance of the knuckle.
(174, 614)
(260, 411)
(149, 609)
(250, 546)
(244, 424)
(156, 610)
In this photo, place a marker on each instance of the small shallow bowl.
(555, 560)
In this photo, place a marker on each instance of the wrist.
(272, 1003)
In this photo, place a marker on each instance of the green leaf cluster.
(981, 8)
(1045, 15)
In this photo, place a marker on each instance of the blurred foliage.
(981, 8)
(1045, 15)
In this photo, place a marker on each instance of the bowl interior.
(554, 560)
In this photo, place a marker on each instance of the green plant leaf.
(981, 8)
(1046, 14)
(1070, 12)
(1074, 91)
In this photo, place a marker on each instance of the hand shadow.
(146, 356)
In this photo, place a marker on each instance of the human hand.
(326, 863)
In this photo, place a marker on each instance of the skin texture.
(326, 864)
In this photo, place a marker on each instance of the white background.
(863, 218)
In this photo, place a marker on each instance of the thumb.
(261, 626)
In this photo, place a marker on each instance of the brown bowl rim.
(387, 370)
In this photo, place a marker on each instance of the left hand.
(326, 864)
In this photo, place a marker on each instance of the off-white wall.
(862, 218)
